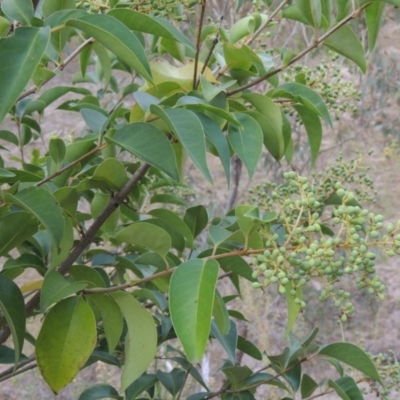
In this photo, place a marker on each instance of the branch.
(315, 44)
(85, 240)
(198, 44)
(12, 371)
(35, 88)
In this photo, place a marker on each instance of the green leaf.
(57, 150)
(51, 6)
(308, 386)
(246, 142)
(60, 356)
(111, 172)
(247, 224)
(249, 348)
(55, 287)
(59, 254)
(346, 388)
(15, 228)
(112, 319)
(100, 391)
(4, 26)
(191, 294)
(313, 127)
(20, 55)
(12, 306)
(18, 10)
(353, 356)
(88, 275)
(149, 144)
(218, 139)
(311, 11)
(117, 38)
(140, 341)
(173, 380)
(140, 22)
(68, 199)
(373, 18)
(173, 219)
(346, 43)
(304, 95)
(44, 206)
(196, 218)
(220, 314)
(147, 235)
(145, 382)
(189, 130)
(229, 341)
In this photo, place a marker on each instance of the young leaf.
(353, 356)
(17, 67)
(189, 130)
(140, 341)
(346, 43)
(146, 235)
(246, 141)
(65, 342)
(100, 391)
(44, 206)
(55, 287)
(18, 10)
(293, 307)
(15, 228)
(12, 306)
(149, 144)
(117, 38)
(191, 293)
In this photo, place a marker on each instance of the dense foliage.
(129, 269)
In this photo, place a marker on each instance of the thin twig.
(72, 164)
(35, 88)
(315, 44)
(6, 374)
(198, 43)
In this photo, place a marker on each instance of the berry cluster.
(323, 233)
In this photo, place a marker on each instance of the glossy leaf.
(137, 21)
(373, 17)
(117, 38)
(44, 206)
(55, 287)
(149, 144)
(17, 67)
(308, 386)
(229, 341)
(111, 317)
(147, 235)
(18, 10)
(191, 294)
(141, 338)
(220, 314)
(304, 95)
(313, 128)
(346, 43)
(196, 218)
(15, 228)
(12, 306)
(51, 6)
(100, 391)
(189, 130)
(353, 356)
(246, 142)
(346, 388)
(60, 356)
